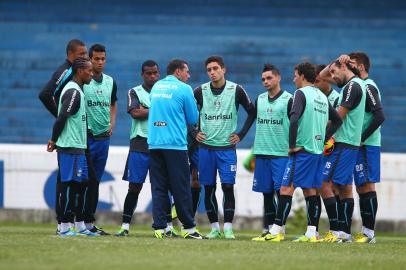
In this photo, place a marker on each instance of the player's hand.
(51, 146)
(234, 138)
(293, 151)
(110, 132)
(343, 59)
(200, 136)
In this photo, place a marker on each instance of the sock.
(369, 233)
(332, 212)
(65, 227)
(283, 229)
(195, 198)
(311, 205)
(228, 202)
(318, 212)
(89, 226)
(190, 230)
(130, 204)
(215, 225)
(59, 227)
(311, 231)
(345, 211)
(125, 226)
(80, 226)
(276, 229)
(368, 203)
(228, 226)
(285, 203)
(210, 203)
(270, 206)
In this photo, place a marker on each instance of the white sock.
(345, 235)
(190, 231)
(269, 228)
(89, 226)
(369, 233)
(362, 229)
(336, 233)
(125, 226)
(228, 226)
(65, 227)
(311, 231)
(169, 225)
(80, 226)
(215, 225)
(283, 231)
(276, 229)
(59, 227)
(265, 230)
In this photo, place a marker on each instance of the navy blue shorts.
(339, 166)
(99, 151)
(303, 170)
(72, 167)
(268, 174)
(225, 161)
(368, 167)
(137, 167)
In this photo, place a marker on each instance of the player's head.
(82, 70)
(271, 77)
(150, 72)
(179, 68)
(342, 73)
(304, 73)
(215, 68)
(320, 83)
(97, 54)
(75, 48)
(362, 61)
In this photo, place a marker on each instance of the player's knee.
(286, 190)
(134, 188)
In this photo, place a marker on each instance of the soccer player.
(307, 133)
(51, 92)
(218, 102)
(327, 191)
(341, 162)
(137, 164)
(368, 170)
(69, 138)
(101, 109)
(173, 107)
(271, 142)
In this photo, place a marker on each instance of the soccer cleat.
(261, 237)
(71, 232)
(122, 232)
(362, 238)
(228, 234)
(159, 234)
(172, 233)
(304, 238)
(98, 230)
(86, 232)
(173, 212)
(214, 234)
(274, 238)
(329, 237)
(196, 235)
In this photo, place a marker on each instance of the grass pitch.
(34, 246)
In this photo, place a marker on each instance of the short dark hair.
(148, 63)
(215, 58)
(174, 65)
(308, 70)
(96, 48)
(73, 44)
(79, 63)
(272, 68)
(353, 69)
(319, 68)
(361, 58)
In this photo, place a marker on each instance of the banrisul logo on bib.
(218, 116)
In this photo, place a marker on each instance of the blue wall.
(247, 33)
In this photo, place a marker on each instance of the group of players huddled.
(317, 139)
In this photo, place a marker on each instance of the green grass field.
(34, 246)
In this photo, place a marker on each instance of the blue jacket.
(173, 106)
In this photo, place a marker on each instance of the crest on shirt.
(99, 91)
(217, 103)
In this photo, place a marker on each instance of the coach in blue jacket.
(173, 107)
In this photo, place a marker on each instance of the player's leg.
(207, 177)
(227, 166)
(135, 173)
(195, 184)
(58, 194)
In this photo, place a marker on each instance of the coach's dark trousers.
(169, 170)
